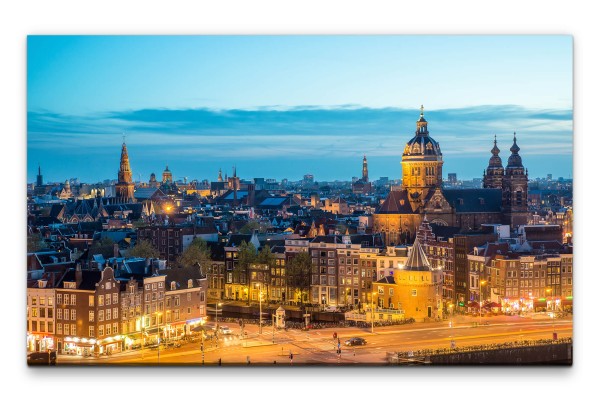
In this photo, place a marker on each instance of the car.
(355, 341)
(225, 330)
(42, 358)
(331, 308)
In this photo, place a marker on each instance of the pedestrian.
(274, 362)
(219, 361)
(291, 357)
(248, 360)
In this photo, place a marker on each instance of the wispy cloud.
(274, 134)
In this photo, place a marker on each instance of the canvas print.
(299, 200)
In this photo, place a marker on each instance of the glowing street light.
(373, 312)
(482, 282)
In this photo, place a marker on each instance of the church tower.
(494, 174)
(124, 187)
(167, 176)
(220, 177)
(514, 189)
(365, 170)
(421, 165)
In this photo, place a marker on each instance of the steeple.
(124, 187)
(492, 176)
(220, 178)
(514, 161)
(39, 179)
(365, 169)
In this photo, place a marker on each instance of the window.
(115, 313)
(33, 300)
(189, 296)
(100, 315)
(50, 313)
(108, 285)
(50, 302)
(391, 291)
(91, 332)
(115, 328)
(107, 299)
(34, 312)
(177, 300)
(73, 299)
(202, 296)
(190, 283)
(413, 293)
(59, 313)
(91, 300)
(176, 314)
(91, 316)
(100, 300)
(66, 330)
(42, 302)
(189, 310)
(73, 329)
(73, 314)
(101, 330)
(50, 327)
(115, 297)
(58, 328)
(108, 314)
(108, 330)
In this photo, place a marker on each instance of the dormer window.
(173, 285)
(69, 284)
(42, 283)
(190, 283)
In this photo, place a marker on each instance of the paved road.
(318, 346)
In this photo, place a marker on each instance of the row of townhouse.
(90, 312)
(483, 266)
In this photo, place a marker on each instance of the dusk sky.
(283, 106)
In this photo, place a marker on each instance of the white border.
(18, 19)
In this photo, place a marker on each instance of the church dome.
(422, 144)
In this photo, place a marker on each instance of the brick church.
(503, 198)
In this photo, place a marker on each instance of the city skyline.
(302, 104)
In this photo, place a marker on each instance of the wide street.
(319, 346)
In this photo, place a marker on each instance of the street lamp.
(482, 282)
(373, 312)
(217, 314)
(549, 290)
(158, 315)
(259, 307)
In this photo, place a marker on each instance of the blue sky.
(283, 106)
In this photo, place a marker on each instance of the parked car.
(355, 341)
(42, 358)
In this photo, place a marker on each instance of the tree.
(103, 246)
(249, 227)
(299, 271)
(197, 253)
(266, 257)
(246, 256)
(144, 249)
(35, 243)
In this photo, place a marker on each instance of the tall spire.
(365, 169)
(220, 178)
(124, 187)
